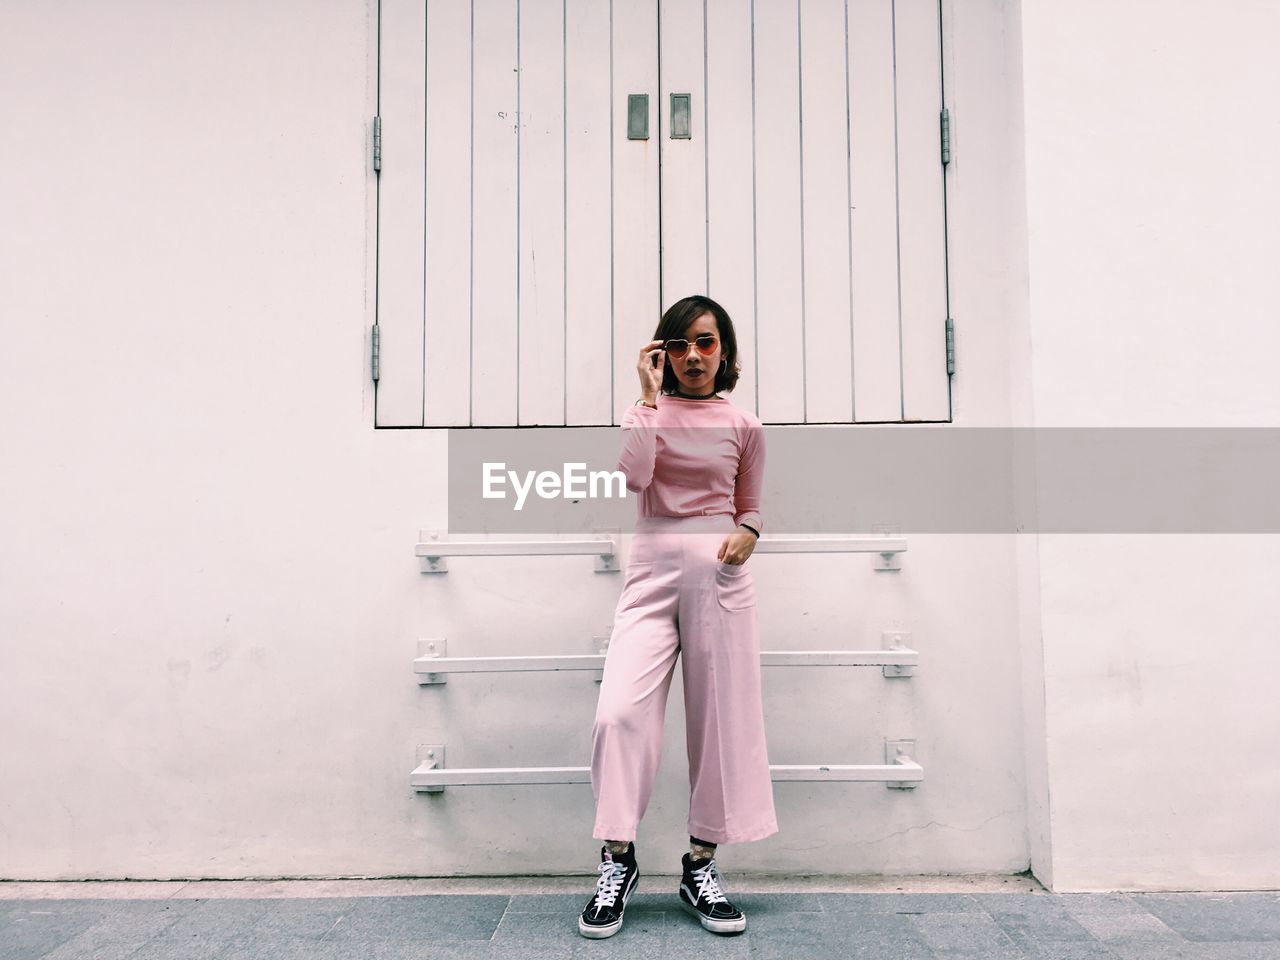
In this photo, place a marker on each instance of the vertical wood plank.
(920, 211)
(447, 355)
(542, 196)
(825, 191)
(777, 198)
(683, 162)
(588, 266)
(495, 201)
(401, 214)
(635, 304)
(730, 203)
(877, 379)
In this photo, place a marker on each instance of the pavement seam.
(501, 918)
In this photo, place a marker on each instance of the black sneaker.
(702, 895)
(618, 878)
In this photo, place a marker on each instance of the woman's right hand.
(651, 373)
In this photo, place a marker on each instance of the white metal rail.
(898, 772)
(432, 666)
(433, 549)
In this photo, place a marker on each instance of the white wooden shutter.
(518, 238)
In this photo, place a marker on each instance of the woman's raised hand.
(650, 370)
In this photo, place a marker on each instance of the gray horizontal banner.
(844, 479)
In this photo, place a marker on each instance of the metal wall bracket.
(888, 561)
(431, 563)
(432, 648)
(901, 753)
(608, 562)
(600, 645)
(430, 756)
(895, 640)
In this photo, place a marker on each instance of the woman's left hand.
(737, 546)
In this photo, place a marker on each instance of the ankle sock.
(701, 843)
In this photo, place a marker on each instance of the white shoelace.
(709, 883)
(609, 883)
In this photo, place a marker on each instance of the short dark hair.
(676, 321)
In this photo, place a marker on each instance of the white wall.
(1151, 205)
(208, 600)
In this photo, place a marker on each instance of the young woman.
(697, 463)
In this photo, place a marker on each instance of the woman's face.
(696, 371)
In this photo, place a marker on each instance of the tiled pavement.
(233, 921)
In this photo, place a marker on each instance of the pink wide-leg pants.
(677, 598)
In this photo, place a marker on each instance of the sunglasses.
(705, 342)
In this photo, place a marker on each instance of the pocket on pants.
(735, 589)
(633, 588)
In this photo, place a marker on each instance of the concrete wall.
(208, 600)
(1151, 210)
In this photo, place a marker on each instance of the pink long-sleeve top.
(694, 457)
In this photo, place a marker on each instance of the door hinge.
(377, 143)
(374, 354)
(951, 346)
(946, 136)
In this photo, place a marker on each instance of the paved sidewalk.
(1000, 918)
